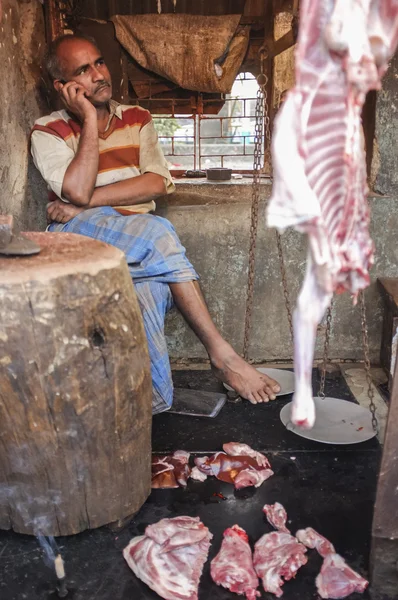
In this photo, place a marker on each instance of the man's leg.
(226, 363)
(155, 300)
(154, 253)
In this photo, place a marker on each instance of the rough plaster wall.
(22, 193)
(385, 163)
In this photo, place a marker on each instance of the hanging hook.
(262, 78)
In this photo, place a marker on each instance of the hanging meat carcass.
(319, 160)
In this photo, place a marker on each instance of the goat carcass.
(319, 160)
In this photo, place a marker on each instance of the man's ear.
(58, 84)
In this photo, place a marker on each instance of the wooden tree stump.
(75, 389)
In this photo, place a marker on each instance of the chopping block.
(75, 388)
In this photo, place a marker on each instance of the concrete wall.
(213, 222)
(22, 192)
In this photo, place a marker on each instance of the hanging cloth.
(196, 52)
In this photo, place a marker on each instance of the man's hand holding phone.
(73, 96)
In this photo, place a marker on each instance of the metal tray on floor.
(337, 422)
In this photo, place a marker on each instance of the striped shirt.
(128, 147)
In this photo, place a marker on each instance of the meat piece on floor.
(251, 477)
(170, 471)
(238, 449)
(319, 161)
(197, 475)
(337, 579)
(170, 557)
(277, 517)
(180, 462)
(278, 557)
(229, 469)
(233, 566)
(312, 539)
(163, 475)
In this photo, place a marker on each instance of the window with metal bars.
(201, 141)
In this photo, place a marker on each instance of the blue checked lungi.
(155, 257)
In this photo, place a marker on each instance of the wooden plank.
(53, 18)
(388, 288)
(285, 42)
(384, 554)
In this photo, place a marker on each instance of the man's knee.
(163, 229)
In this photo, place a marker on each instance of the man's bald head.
(77, 58)
(54, 63)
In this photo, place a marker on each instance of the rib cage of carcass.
(319, 160)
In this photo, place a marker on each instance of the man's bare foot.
(230, 368)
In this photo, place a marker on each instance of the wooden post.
(54, 24)
(75, 389)
(269, 71)
(384, 552)
(388, 288)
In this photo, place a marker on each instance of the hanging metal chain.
(321, 392)
(258, 148)
(262, 127)
(284, 282)
(277, 234)
(365, 342)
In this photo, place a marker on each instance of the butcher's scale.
(337, 421)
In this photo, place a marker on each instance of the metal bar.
(199, 143)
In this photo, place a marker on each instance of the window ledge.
(193, 192)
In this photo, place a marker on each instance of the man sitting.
(104, 166)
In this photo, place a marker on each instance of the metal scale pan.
(282, 376)
(337, 422)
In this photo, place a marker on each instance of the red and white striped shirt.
(128, 147)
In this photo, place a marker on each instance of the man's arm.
(79, 180)
(135, 190)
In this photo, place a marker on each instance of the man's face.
(82, 62)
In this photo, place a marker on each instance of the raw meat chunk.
(237, 449)
(233, 566)
(170, 557)
(312, 539)
(197, 475)
(277, 557)
(337, 579)
(251, 476)
(171, 471)
(277, 517)
(243, 471)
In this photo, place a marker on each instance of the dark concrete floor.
(330, 488)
